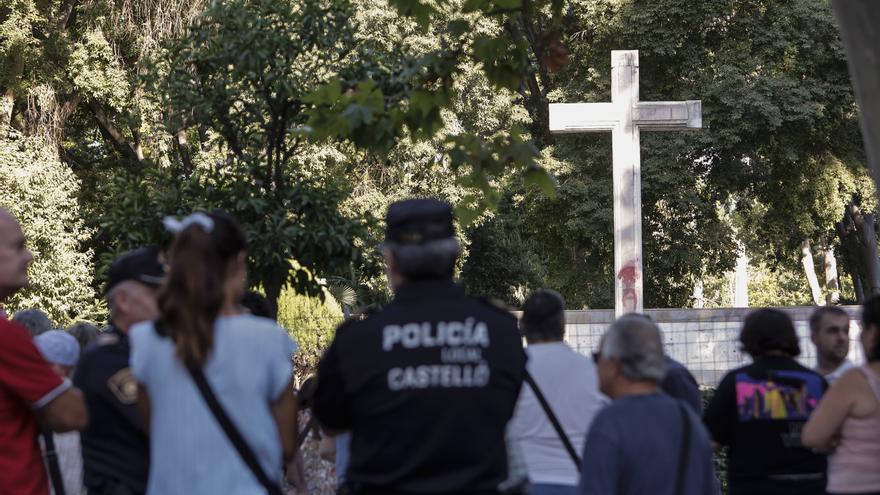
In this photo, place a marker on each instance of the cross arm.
(582, 117)
(668, 115)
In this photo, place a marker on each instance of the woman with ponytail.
(205, 353)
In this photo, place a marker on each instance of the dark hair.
(192, 295)
(871, 316)
(543, 316)
(306, 396)
(258, 305)
(767, 330)
(430, 260)
(820, 313)
(84, 333)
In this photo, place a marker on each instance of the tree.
(779, 126)
(497, 265)
(243, 72)
(41, 193)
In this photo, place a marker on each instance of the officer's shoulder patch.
(123, 386)
(107, 339)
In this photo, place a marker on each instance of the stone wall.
(705, 340)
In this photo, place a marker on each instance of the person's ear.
(239, 264)
(616, 368)
(389, 259)
(120, 299)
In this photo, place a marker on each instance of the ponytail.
(193, 295)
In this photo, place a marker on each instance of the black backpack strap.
(301, 437)
(235, 436)
(553, 420)
(51, 456)
(685, 449)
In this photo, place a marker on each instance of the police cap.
(417, 221)
(141, 265)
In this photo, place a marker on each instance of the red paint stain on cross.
(629, 277)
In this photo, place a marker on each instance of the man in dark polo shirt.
(116, 452)
(426, 385)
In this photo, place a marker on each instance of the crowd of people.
(190, 389)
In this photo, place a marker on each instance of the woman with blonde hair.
(215, 382)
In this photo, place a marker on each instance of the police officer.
(115, 446)
(426, 385)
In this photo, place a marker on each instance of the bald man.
(29, 389)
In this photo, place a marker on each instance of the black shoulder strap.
(301, 437)
(235, 436)
(685, 448)
(553, 420)
(51, 456)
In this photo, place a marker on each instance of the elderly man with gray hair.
(645, 442)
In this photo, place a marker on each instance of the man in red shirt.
(28, 387)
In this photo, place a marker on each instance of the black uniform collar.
(113, 329)
(428, 290)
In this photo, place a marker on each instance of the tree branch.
(112, 134)
(64, 13)
(183, 149)
(7, 101)
(537, 103)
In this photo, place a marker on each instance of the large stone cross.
(625, 117)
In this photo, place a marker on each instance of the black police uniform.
(427, 386)
(115, 446)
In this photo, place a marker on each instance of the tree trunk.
(698, 296)
(6, 105)
(857, 288)
(741, 279)
(850, 250)
(832, 283)
(862, 224)
(869, 254)
(810, 271)
(128, 150)
(183, 149)
(273, 284)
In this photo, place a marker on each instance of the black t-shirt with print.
(426, 387)
(759, 412)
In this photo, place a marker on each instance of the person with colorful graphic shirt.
(759, 411)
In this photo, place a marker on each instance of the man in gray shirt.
(645, 442)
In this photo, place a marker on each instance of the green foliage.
(16, 38)
(498, 264)
(303, 116)
(95, 70)
(311, 321)
(778, 116)
(767, 287)
(306, 227)
(244, 71)
(415, 89)
(41, 193)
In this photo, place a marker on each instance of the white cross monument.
(625, 117)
